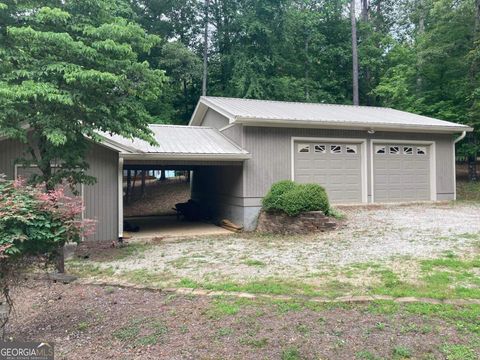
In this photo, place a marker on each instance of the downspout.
(460, 138)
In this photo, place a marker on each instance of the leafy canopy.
(70, 69)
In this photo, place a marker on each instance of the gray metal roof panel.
(248, 110)
(177, 139)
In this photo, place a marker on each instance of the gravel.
(370, 235)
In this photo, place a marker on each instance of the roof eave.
(351, 125)
(188, 157)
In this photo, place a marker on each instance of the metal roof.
(192, 142)
(266, 112)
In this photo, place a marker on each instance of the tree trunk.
(307, 66)
(421, 31)
(472, 159)
(365, 6)
(354, 53)
(205, 50)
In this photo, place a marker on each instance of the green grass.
(366, 355)
(401, 352)
(468, 191)
(82, 326)
(221, 308)
(141, 332)
(291, 353)
(253, 262)
(131, 250)
(442, 278)
(458, 352)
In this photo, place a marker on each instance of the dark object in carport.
(130, 227)
(191, 210)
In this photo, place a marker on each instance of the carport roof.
(178, 142)
(297, 114)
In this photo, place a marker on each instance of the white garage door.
(335, 166)
(401, 172)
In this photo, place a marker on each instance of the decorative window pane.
(351, 149)
(394, 150)
(335, 149)
(379, 149)
(421, 150)
(408, 150)
(320, 149)
(303, 148)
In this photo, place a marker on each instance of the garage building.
(237, 148)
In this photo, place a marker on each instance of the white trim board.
(433, 165)
(362, 142)
(120, 197)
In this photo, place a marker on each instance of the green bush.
(271, 202)
(293, 199)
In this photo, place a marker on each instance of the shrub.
(305, 197)
(293, 199)
(34, 225)
(272, 201)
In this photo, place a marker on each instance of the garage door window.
(379, 149)
(422, 150)
(320, 149)
(335, 149)
(303, 148)
(394, 150)
(351, 149)
(408, 150)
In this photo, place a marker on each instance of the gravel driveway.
(395, 233)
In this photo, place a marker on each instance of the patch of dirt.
(159, 198)
(92, 322)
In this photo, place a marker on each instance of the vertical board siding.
(214, 119)
(101, 199)
(271, 154)
(10, 150)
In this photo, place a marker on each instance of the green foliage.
(272, 201)
(70, 69)
(294, 199)
(33, 223)
(303, 198)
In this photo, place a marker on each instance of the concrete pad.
(155, 227)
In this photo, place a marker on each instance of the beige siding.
(101, 199)
(221, 189)
(271, 156)
(214, 119)
(235, 133)
(10, 150)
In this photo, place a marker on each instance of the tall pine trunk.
(354, 53)
(205, 50)
(472, 157)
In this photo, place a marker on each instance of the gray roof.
(181, 141)
(342, 116)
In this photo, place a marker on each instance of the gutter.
(351, 125)
(185, 157)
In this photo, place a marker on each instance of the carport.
(207, 154)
